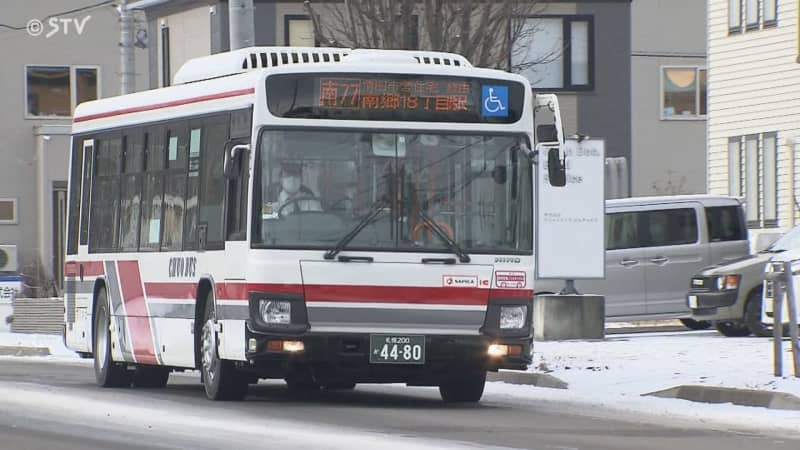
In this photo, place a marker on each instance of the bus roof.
(227, 81)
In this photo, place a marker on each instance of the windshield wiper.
(376, 209)
(438, 231)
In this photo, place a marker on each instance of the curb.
(742, 397)
(24, 351)
(527, 378)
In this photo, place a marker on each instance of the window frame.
(697, 70)
(737, 140)
(73, 88)
(769, 222)
(288, 18)
(566, 54)
(755, 25)
(772, 23)
(14, 211)
(737, 29)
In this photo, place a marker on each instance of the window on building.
(54, 91)
(165, 68)
(770, 178)
(735, 166)
(770, 13)
(734, 16)
(683, 92)
(751, 184)
(556, 52)
(751, 13)
(299, 31)
(8, 211)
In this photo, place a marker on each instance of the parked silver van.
(653, 247)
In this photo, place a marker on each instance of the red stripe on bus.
(397, 294)
(185, 101)
(239, 291)
(171, 290)
(90, 268)
(136, 311)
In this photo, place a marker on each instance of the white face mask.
(291, 184)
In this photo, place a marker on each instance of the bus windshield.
(314, 187)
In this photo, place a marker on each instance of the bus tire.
(466, 387)
(150, 376)
(107, 372)
(221, 380)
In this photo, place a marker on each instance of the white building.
(754, 108)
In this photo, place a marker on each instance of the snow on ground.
(615, 372)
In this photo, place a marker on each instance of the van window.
(725, 223)
(622, 231)
(670, 227)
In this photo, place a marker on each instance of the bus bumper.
(347, 357)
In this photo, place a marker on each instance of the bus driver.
(294, 196)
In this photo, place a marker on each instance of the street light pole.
(126, 57)
(241, 23)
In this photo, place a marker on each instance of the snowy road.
(54, 405)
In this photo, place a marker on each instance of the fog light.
(497, 350)
(252, 345)
(275, 311)
(513, 317)
(769, 305)
(293, 346)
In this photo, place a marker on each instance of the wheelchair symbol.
(493, 104)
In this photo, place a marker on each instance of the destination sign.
(423, 98)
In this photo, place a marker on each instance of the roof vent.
(246, 59)
(407, 57)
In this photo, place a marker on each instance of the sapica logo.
(460, 281)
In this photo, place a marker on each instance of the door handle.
(659, 260)
(628, 262)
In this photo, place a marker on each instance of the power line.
(72, 11)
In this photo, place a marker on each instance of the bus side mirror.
(556, 172)
(233, 160)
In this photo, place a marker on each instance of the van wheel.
(221, 380)
(150, 377)
(696, 324)
(465, 387)
(106, 371)
(732, 328)
(752, 315)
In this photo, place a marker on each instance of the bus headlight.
(513, 316)
(275, 311)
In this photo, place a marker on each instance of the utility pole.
(126, 57)
(241, 23)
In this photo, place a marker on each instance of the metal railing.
(781, 277)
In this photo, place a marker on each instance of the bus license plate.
(395, 349)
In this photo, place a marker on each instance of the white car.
(776, 265)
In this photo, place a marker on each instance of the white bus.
(324, 216)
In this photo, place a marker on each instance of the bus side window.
(236, 204)
(212, 181)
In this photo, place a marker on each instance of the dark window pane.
(152, 194)
(109, 155)
(85, 85)
(671, 227)
(105, 219)
(174, 210)
(133, 160)
(622, 231)
(176, 148)
(725, 223)
(75, 183)
(212, 189)
(88, 161)
(48, 91)
(703, 101)
(154, 149)
(129, 212)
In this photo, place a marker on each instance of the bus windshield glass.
(314, 187)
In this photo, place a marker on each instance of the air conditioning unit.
(8, 258)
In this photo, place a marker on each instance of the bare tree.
(484, 31)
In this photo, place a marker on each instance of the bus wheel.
(150, 377)
(221, 380)
(465, 387)
(106, 371)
